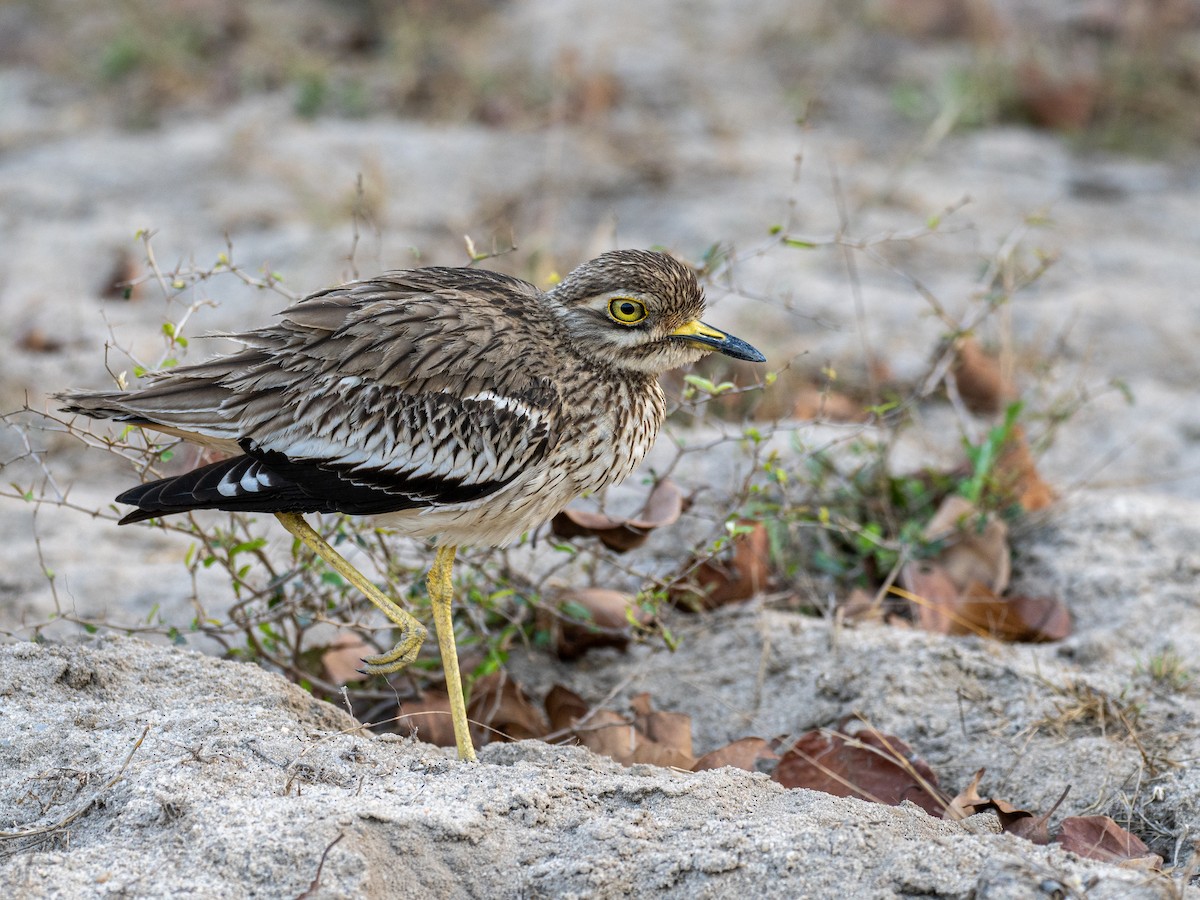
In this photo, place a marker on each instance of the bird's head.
(639, 310)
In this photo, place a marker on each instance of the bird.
(459, 405)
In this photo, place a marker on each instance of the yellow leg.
(412, 632)
(441, 592)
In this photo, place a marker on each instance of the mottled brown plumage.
(461, 404)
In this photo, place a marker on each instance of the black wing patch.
(269, 481)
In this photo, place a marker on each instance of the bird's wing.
(394, 392)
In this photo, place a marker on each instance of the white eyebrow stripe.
(508, 403)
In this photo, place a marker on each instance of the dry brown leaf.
(428, 719)
(943, 609)
(935, 596)
(860, 606)
(663, 507)
(1064, 101)
(868, 765)
(35, 340)
(1012, 817)
(117, 285)
(714, 583)
(653, 753)
(924, 19)
(670, 729)
(968, 802)
(1099, 837)
(610, 734)
(746, 753)
(1016, 477)
(958, 591)
(608, 625)
(564, 708)
(980, 382)
(500, 711)
(975, 545)
(343, 658)
(1035, 829)
(1013, 820)
(1037, 619)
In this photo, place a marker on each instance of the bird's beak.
(696, 332)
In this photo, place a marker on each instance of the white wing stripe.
(507, 403)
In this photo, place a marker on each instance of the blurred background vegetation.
(1121, 75)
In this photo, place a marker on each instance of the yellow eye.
(626, 310)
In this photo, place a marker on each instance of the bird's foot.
(405, 651)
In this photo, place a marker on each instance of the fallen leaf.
(942, 608)
(344, 657)
(967, 802)
(664, 505)
(118, 285)
(1035, 829)
(428, 719)
(1099, 837)
(500, 711)
(923, 19)
(747, 753)
(934, 595)
(868, 765)
(975, 544)
(35, 340)
(1016, 477)
(587, 618)
(980, 382)
(564, 708)
(670, 729)
(610, 734)
(714, 583)
(860, 606)
(1063, 101)
(1012, 817)
(1013, 820)
(652, 753)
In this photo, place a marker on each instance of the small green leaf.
(247, 546)
(576, 611)
(669, 639)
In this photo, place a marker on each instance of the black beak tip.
(739, 349)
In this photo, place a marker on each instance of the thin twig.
(67, 820)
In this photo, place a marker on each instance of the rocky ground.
(186, 773)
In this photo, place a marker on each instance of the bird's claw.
(398, 657)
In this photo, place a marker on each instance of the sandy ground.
(245, 786)
(242, 781)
